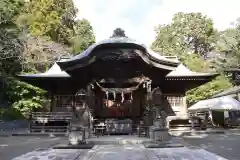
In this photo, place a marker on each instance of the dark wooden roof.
(116, 60)
(54, 85)
(91, 54)
(54, 81)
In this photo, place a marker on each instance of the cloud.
(139, 17)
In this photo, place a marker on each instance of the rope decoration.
(120, 90)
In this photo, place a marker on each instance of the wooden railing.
(52, 115)
(50, 121)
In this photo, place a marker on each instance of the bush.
(23, 97)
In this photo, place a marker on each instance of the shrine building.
(119, 79)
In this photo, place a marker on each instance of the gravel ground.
(225, 145)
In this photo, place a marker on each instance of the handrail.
(51, 115)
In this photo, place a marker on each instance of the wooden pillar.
(90, 101)
(52, 102)
(74, 106)
(184, 110)
(89, 95)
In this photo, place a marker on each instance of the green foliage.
(32, 34)
(208, 90)
(188, 32)
(11, 50)
(10, 113)
(41, 53)
(167, 42)
(84, 36)
(24, 97)
(228, 46)
(53, 18)
(191, 37)
(196, 63)
(11, 46)
(219, 84)
(9, 9)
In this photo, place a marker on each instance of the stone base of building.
(181, 123)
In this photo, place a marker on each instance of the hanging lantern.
(107, 94)
(149, 86)
(114, 95)
(122, 97)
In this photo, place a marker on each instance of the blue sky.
(139, 17)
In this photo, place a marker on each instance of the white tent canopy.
(226, 103)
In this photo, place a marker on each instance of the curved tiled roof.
(150, 57)
(54, 72)
(183, 71)
(230, 91)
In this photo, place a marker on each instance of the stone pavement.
(120, 152)
(122, 139)
(11, 147)
(208, 131)
(12, 125)
(7, 133)
(7, 128)
(124, 148)
(25, 132)
(225, 145)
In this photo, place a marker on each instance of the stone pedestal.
(159, 123)
(78, 136)
(159, 134)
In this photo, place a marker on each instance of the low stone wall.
(13, 125)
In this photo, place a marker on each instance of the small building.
(118, 78)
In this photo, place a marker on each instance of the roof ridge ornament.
(118, 32)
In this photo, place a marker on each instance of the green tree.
(53, 18)
(11, 50)
(188, 33)
(20, 96)
(9, 10)
(11, 46)
(196, 63)
(24, 97)
(40, 53)
(228, 47)
(219, 84)
(84, 36)
(191, 37)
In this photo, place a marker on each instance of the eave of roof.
(54, 72)
(232, 69)
(121, 41)
(230, 91)
(183, 72)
